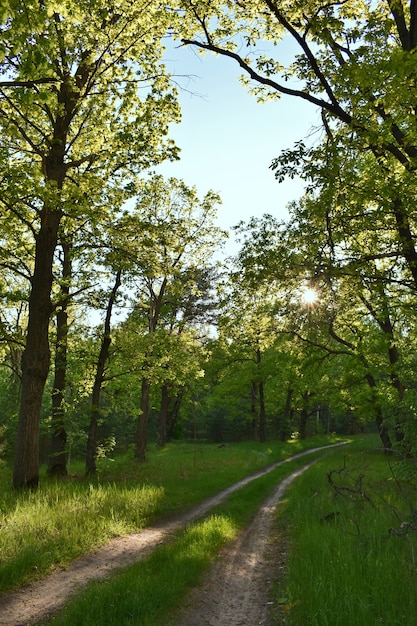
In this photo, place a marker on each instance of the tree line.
(89, 230)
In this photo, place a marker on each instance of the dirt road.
(240, 575)
(237, 591)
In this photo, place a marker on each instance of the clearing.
(236, 591)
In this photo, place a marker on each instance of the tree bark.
(163, 415)
(90, 459)
(142, 423)
(57, 462)
(36, 355)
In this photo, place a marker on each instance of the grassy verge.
(353, 554)
(147, 593)
(62, 520)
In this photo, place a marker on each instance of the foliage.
(353, 235)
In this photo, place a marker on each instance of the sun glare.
(309, 295)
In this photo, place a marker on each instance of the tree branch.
(28, 83)
(335, 109)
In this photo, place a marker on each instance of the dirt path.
(245, 565)
(237, 590)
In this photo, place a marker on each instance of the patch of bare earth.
(237, 590)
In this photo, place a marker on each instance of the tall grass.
(353, 545)
(51, 526)
(56, 525)
(147, 593)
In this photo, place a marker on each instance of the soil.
(236, 591)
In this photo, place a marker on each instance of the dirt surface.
(235, 592)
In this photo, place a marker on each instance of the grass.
(51, 526)
(147, 593)
(353, 559)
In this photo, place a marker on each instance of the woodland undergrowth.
(353, 555)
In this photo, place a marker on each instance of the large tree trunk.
(173, 412)
(36, 355)
(57, 462)
(90, 459)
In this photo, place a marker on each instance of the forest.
(120, 321)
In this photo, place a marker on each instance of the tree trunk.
(155, 305)
(163, 415)
(90, 459)
(379, 419)
(262, 416)
(284, 430)
(57, 462)
(254, 412)
(406, 237)
(173, 412)
(142, 424)
(36, 355)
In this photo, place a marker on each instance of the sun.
(309, 295)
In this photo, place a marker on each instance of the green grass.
(147, 593)
(51, 526)
(348, 566)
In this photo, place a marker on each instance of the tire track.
(38, 601)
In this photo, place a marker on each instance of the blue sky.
(228, 140)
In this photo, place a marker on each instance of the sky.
(228, 140)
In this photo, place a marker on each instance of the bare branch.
(333, 108)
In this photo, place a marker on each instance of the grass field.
(353, 556)
(351, 519)
(147, 593)
(51, 526)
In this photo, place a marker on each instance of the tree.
(352, 318)
(103, 356)
(78, 131)
(355, 62)
(57, 461)
(170, 236)
(191, 308)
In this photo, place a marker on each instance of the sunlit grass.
(54, 526)
(351, 562)
(144, 592)
(148, 593)
(51, 526)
